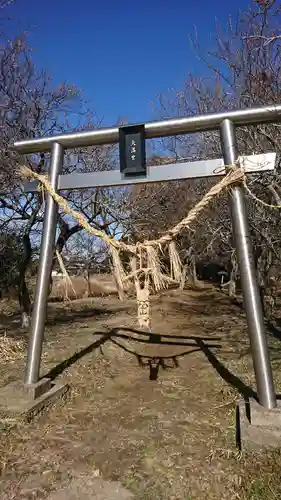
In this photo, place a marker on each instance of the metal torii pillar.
(225, 122)
(251, 294)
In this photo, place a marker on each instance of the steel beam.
(163, 128)
(159, 173)
(36, 336)
(245, 254)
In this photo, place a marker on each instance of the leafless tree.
(31, 106)
(244, 70)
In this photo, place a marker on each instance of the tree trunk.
(267, 291)
(232, 288)
(192, 267)
(23, 293)
(233, 276)
(183, 278)
(189, 269)
(86, 275)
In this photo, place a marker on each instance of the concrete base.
(19, 400)
(257, 427)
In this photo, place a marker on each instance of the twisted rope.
(147, 253)
(234, 175)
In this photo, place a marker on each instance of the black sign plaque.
(132, 150)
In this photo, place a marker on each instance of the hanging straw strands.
(66, 278)
(175, 261)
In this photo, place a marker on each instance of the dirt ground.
(163, 432)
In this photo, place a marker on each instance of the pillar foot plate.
(19, 400)
(257, 427)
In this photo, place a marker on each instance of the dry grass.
(167, 439)
(11, 349)
(99, 285)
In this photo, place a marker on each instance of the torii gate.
(226, 123)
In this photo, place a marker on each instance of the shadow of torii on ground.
(190, 345)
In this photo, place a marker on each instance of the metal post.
(252, 300)
(45, 265)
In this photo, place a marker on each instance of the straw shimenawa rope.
(234, 175)
(146, 254)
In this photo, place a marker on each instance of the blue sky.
(121, 53)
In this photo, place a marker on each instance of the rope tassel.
(119, 272)
(153, 263)
(143, 303)
(175, 262)
(144, 320)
